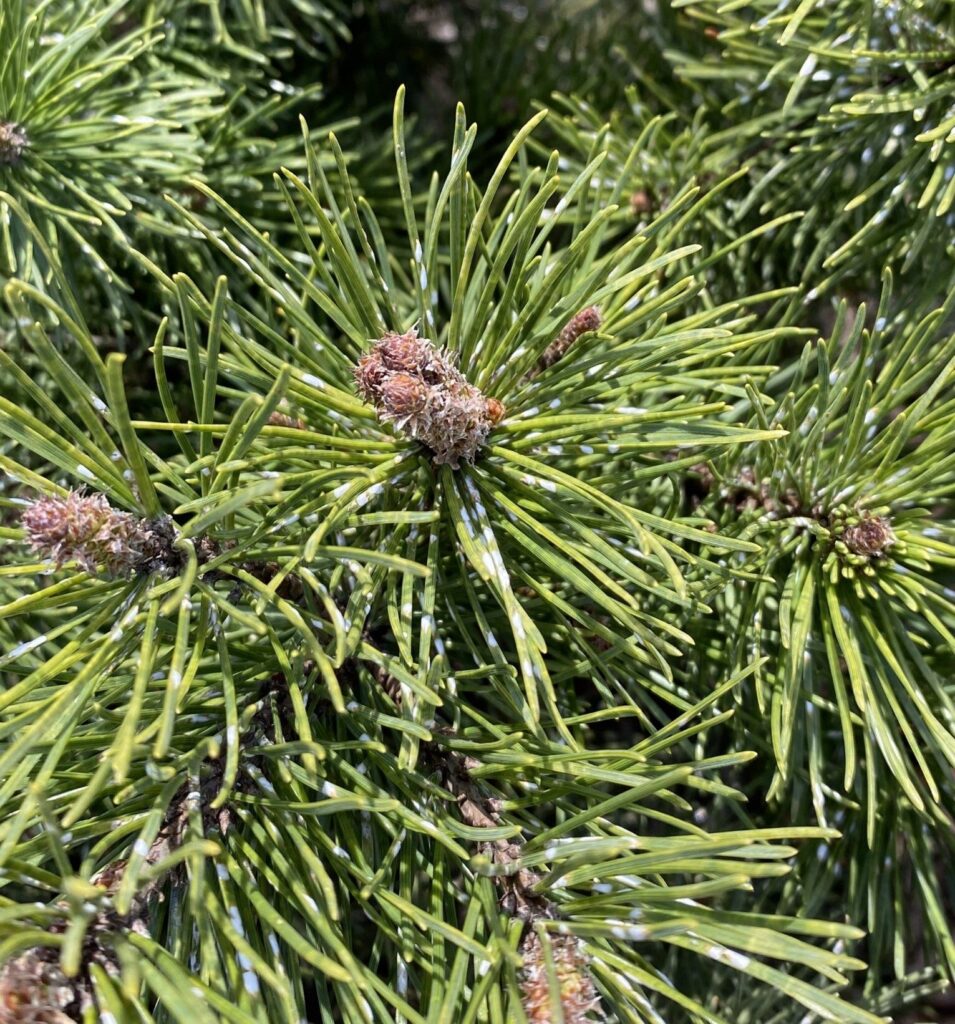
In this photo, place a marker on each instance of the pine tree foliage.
(87, 134)
(854, 492)
(153, 107)
(651, 157)
(845, 113)
(234, 551)
(263, 34)
(476, 572)
(851, 600)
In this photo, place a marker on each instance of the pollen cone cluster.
(417, 387)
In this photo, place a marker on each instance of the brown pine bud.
(871, 537)
(370, 374)
(587, 320)
(13, 141)
(640, 202)
(576, 994)
(404, 395)
(87, 530)
(403, 353)
(390, 685)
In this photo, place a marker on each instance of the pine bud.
(583, 322)
(576, 994)
(370, 374)
(870, 537)
(405, 396)
(406, 353)
(88, 530)
(417, 387)
(13, 141)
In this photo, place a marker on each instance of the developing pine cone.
(585, 321)
(283, 419)
(86, 529)
(417, 387)
(576, 994)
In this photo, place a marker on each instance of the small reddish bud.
(402, 353)
(404, 395)
(495, 410)
(370, 374)
(640, 202)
